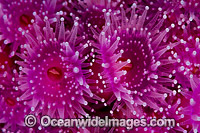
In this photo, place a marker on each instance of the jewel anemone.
(186, 109)
(173, 110)
(5, 61)
(131, 51)
(185, 30)
(190, 113)
(17, 18)
(89, 14)
(186, 69)
(94, 19)
(12, 111)
(188, 61)
(51, 72)
(8, 73)
(190, 8)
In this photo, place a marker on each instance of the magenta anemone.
(131, 53)
(173, 110)
(51, 72)
(183, 16)
(186, 30)
(8, 74)
(93, 19)
(188, 66)
(190, 111)
(89, 13)
(17, 17)
(12, 111)
(5, 61)
(190, 8)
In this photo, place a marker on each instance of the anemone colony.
(79, 58)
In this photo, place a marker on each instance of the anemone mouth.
(55, 74)
(10, 101)
(196, 70)
(25, 20)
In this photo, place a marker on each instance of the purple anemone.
(13, 111)
(17, 18)
(190, 111)
(51, 72)
(132, 55)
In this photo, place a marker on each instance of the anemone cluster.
(115, 58)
